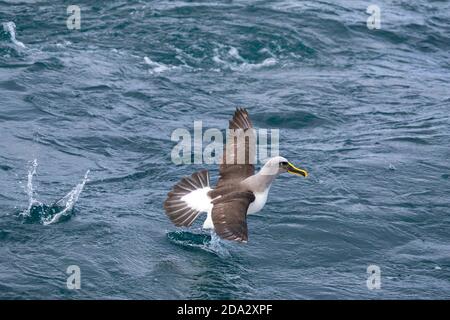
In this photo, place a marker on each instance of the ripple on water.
(289, 120)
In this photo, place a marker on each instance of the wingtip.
(241, 119)
(240, 109)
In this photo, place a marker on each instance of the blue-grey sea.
(86, 118)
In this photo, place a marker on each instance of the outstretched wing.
(229, 215)
(188, 198)
(239, 151)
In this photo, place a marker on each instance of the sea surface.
(86, 119)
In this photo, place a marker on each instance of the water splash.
(10, 27)
(29, 188)
(67, 202)
(216, 245)
(210, 243)
(61, 210)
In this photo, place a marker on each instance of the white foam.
(235, 53)
(235, 62)
(10, 27)
(250, 66)
(64, 44)
(156, 66)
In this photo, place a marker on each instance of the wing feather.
(238, 159)
(229, 215)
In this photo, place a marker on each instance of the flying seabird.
(239, 191)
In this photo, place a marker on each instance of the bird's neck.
(260, 182)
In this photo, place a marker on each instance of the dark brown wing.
(239, 152)
(229, 215)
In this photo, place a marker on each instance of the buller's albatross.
(239, 191)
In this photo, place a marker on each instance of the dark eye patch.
(283, 164)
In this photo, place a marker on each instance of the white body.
(260, 201)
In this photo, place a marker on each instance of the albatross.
(239, 191)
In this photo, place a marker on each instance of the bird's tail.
(188, 199)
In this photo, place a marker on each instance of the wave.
(222, 58)
(156, 67)
(291, 119)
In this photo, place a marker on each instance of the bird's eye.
(283, 164)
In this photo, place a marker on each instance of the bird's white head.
(277, 165)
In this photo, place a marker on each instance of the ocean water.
(86, 118)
